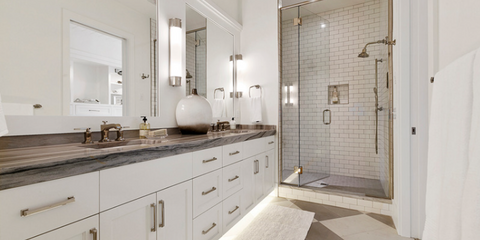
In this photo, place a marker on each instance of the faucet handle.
(87, 135)
(105, 122)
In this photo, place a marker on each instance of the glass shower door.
(314, 84)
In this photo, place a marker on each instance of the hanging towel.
(3, 122)
(256, 109)
(450, 126)
(218, 108)
(471, 191)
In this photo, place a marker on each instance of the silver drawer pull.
(27, 212)
(208, 230)
(272, 142)
(236, 208)
(233, 179)
(210, 160)
(209, 191)
(234, 153)
(94, 232)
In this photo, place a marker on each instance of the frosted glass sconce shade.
(175, 47)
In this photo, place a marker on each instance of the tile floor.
(334, 223)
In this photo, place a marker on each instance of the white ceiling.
(317, 7)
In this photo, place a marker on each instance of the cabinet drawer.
(207, 191)
(123, 184)
(232, 210)
(232, 153)
(90, 110)
(208, 226)
(78, 230)
(232, 179)
(253, 147)
(269, 142)
(206, 161)
(48, 205)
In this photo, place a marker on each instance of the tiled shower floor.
(337, 183)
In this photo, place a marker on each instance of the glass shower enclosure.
(306, 114)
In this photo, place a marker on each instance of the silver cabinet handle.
(209, 191)
(329, 116)
(208, 230)
(163, 214)
(94, 232)
(210, 160)
(27, 212)
(234, 153)
(233, 179)
(236, 208)
(154, 209)
(266, 160)
(271, 142)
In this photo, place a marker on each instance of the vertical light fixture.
(175, 50)
(238, 67)
(288, 91)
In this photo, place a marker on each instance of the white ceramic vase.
(193, 114)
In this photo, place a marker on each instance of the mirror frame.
(33, 125)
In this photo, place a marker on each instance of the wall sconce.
(288, 90)
(239, 60)
(175, 52)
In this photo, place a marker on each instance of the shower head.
(189, 75)
(375, 90)
(363, 54)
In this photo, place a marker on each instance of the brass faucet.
(221, 125)
(105, 129)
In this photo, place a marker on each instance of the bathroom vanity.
(193, 187)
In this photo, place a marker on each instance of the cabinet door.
(248, 171)
(269, 166)
(133, 220)
(83, 230)
(175, 212)
(259, 176)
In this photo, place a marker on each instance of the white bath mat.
(278, 223)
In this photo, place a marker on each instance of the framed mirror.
(78, 58)
(209, 68)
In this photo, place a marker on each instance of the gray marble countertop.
(24, 166)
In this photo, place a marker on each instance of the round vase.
(193, 114)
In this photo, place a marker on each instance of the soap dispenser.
(233, 125)
(144, 127)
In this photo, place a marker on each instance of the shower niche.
(338, 94)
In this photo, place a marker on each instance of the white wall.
(259, 44)
(231, 7)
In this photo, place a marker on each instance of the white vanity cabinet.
(86, 229)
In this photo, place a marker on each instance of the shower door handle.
(329, 116)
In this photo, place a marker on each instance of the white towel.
(19, 109)
(256, 109)
(3, 122)
(471, 191)
(218, 108)
(449, 137)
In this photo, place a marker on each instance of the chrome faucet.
(105, 129)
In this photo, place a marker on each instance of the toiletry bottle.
(144, 128)
(335, 95)
(233, 125)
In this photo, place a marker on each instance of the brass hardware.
(297, 21)
(94, 232)
(208, 230)
(233, 179)
(298, 169)
(37, 105)
(175, 81)
(163, 214)
(144, 76)
(266, 161)
(220, 126)
(153, 206)
(234, 153)
(93, 110)
(329, 117)
(222, 90)
(210, 160)
(105, 129)
(87, 136)
(256, 87)
(432, 80)
(27, 212)
(209, 191)
(272, 142)
(237, 94)
(257, 170)
(236, 208)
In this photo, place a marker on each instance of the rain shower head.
(364, 53)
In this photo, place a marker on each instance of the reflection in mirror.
(209, 69)
(68, 57)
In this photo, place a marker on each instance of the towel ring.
(218, 89)
(254, 86)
